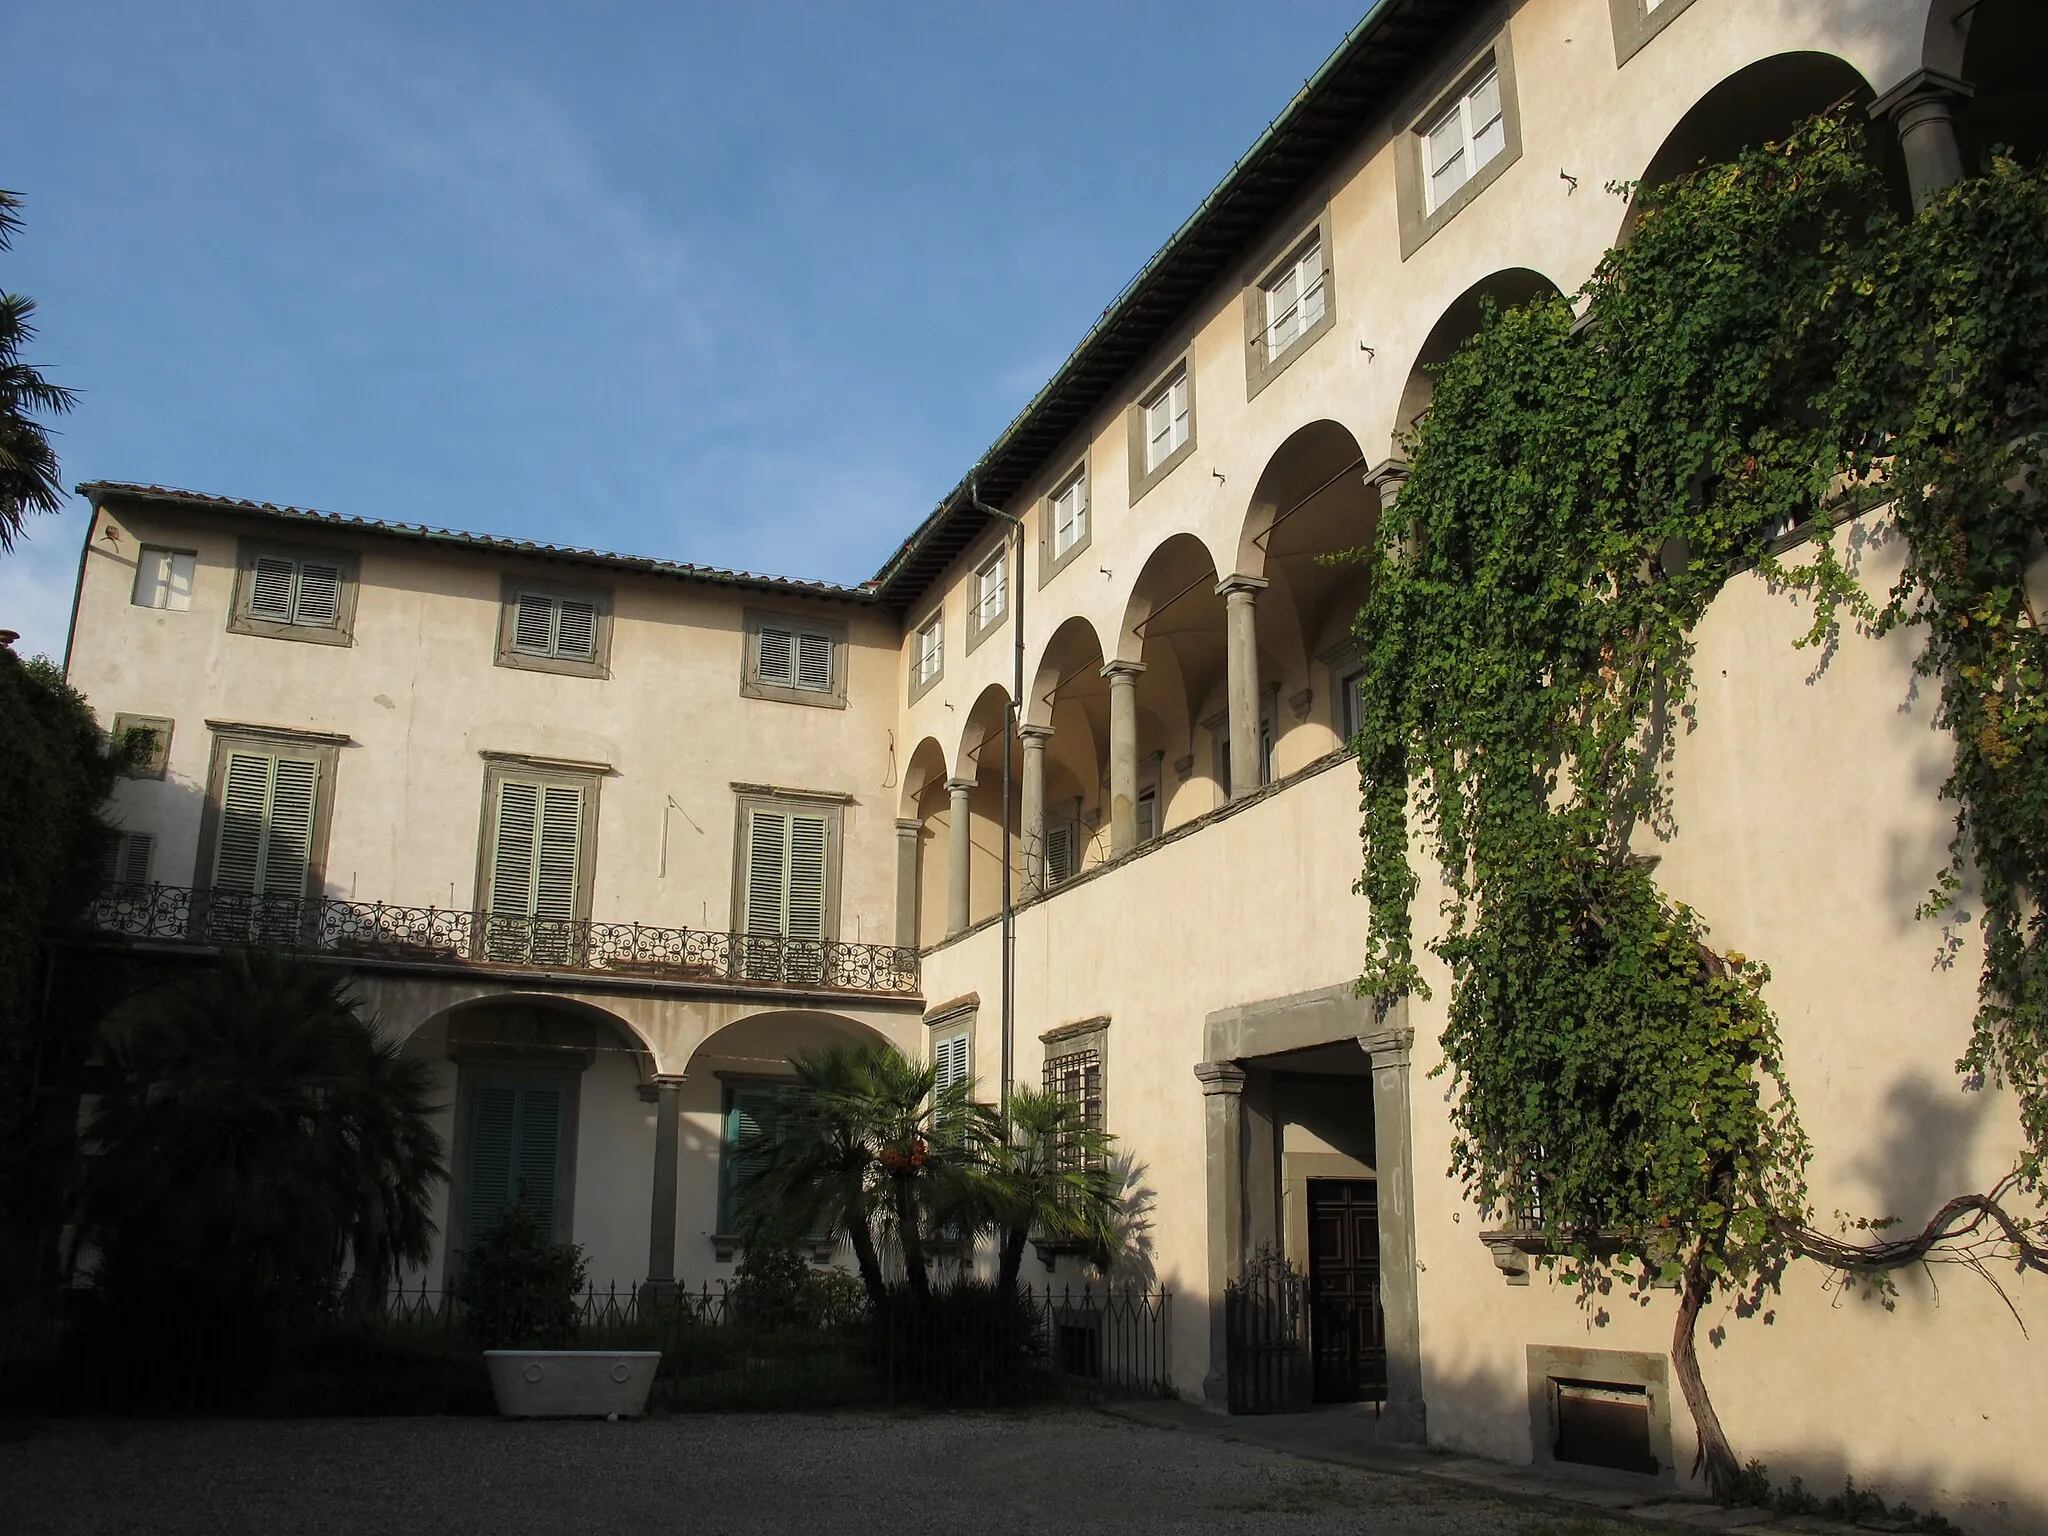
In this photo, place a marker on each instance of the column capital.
(960, 786)
(1220, 1077)
(662, 1082)
(1920, 89)
(1034, 735)
(1245, 586)
(909, 826)
(1387, 475)
(1118, 671)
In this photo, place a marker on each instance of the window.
(263, 831)
(1166, 421)
(927, 655)
(548, 628)
(148, 738)
(1149, 797)
(794, 660)
(1073, 1073)
(1637, 21)
(1468, 135)
(748, 1130)
(1059, 854)
(1294, 296)
(1162, 427)
(1063, 523)
(1458, 141)
(519, 1149)
(785, 900)
(289, 593)
(1351, 703)
(540, 824)
(952, 1062)
(991, 594)
(127, 859)
(163, 578)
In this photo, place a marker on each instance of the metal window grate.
(1076, 1078)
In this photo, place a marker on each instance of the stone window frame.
(341, 632)
(1050, 564)
(1260, 369)
(143, 557)
(1491, 45)
(1344, 662)
(953, 1021)
(1550, 1363)
(1091, 1034)
(748, 798)
(920, 686)
(751, 686)
(588, 777)
(1003, 549)
(232, 735)
(510, 1067)
(1143, 479)
(1636, 22)
(600, 598)
(158, 761)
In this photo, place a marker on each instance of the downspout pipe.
(1013, 718)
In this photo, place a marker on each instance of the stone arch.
(925, 767)
(1948, 35)
(1460, 322)
(1174, 625)
(1069, 695)
(1759, 104)
(518, 1018)
(987, 722)
(985, 742)
(768, 1038)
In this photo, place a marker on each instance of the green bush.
(519, 1287)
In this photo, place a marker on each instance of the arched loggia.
(1064, 758)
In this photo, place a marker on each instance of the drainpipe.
(1014, 717)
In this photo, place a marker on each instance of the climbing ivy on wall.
(1774, 346)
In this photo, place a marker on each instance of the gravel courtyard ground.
(960, 1475)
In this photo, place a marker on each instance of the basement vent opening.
(1602, 1424)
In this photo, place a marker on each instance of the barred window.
(1075, 1077)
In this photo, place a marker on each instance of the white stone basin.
(571, 1383)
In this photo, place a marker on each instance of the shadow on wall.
(1939, 1120)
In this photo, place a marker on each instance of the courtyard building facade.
(606, 839)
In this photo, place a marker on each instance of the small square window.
(1167, 420)
(149, 739)
(290, 593)
(927, 655)
(163, 578)
(127, 859)
(793, 659)
(543, 627)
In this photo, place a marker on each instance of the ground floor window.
(518, 1149)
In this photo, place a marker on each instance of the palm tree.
(1050, 1173)
(859, 1140)
(259, 1134)
(28, 467)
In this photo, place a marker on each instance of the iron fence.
(1267, 1337)
(378, 930)
(408, 1351)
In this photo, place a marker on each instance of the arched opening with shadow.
(1459, 322)
(2004, 49)
(923, 825)
(1069, 698)
(1760, 104)
(541, 1106)
(1311, 503)
(727, 1093)
(983, 743)
(1173, 624)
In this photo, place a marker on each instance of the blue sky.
(746, 285)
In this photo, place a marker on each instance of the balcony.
(374, 931)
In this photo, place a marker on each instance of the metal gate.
(1265, 1323)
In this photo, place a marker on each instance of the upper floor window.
(534, 870)
(1468, 134)
(1637, 21)
(263, 829)
(1288, 307)
(927, 655)
(1294, 297)
(292, 593)
(989, 604)
(786, 885)
(1075, 1057)
(127, 858)
(146, 739)
(1458, 141)
(1162, 427)
(795, 660)
(1167, 420)
(1063, 525)
(163, 578)
(547, 628)
(952, 1061)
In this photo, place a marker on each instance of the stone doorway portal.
(1347, 1334)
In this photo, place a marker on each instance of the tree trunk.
(1012, 1259)
(1714, 1454)
(912, 1244)
(862, 1237)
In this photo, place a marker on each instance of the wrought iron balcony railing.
(375, 930)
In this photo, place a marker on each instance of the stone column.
(1123, 754)
(1034, 738)
(1241, 646)
(909, 844)
(959, 850)
(1223, 1119)
(667, 1094)
(1389, 1046)
(1922, 110)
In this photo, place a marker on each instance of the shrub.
(519, 1287)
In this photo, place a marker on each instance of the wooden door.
(1347, 1337)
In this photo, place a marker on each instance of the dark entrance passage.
(1347, 1337)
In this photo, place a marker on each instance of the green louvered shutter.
(515, 1152)
(493, 1115)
